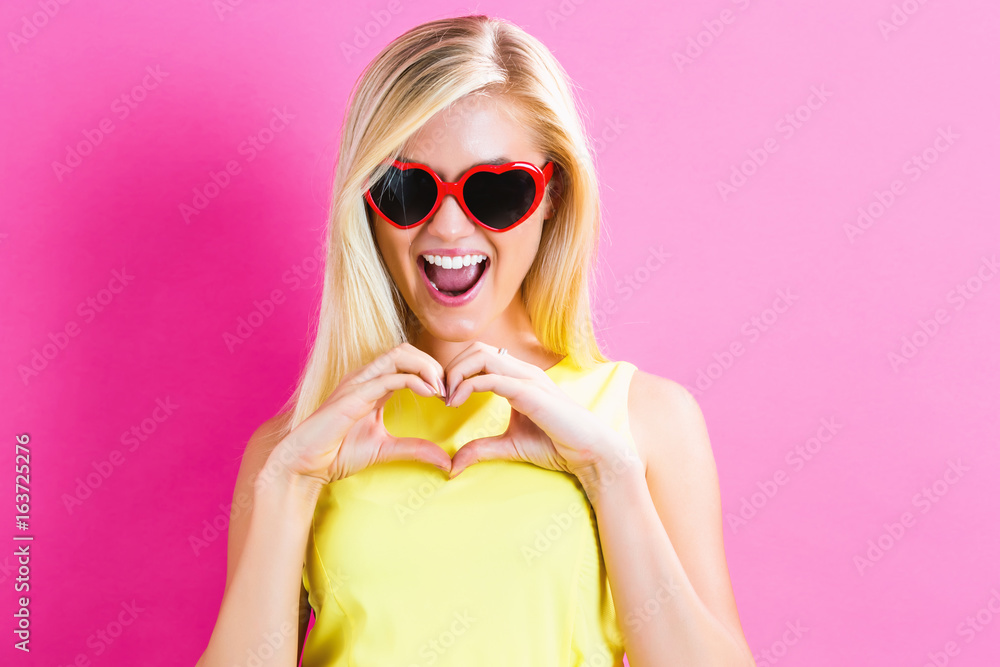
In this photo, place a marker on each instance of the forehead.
(476, 129)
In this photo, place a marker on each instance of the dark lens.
(405, 196)
(499, 200)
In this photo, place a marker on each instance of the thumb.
(414, 449)
(492, 448)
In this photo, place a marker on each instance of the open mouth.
(453, 283)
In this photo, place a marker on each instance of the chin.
(453, 328)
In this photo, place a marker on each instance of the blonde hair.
(362, 314)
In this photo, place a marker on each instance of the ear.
(554, 192)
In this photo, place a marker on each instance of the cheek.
(518, 256)
(393, 248)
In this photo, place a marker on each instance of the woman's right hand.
(346, 435)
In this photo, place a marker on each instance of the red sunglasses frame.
(540, 176)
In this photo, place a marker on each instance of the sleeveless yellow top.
(500, 566)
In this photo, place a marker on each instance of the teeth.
(448, 262)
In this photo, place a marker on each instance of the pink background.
(669, 132)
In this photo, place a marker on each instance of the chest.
(401, 521)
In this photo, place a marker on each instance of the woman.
(465, 477)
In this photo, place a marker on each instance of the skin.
(497, 315)
(659, 518)
(658, 509)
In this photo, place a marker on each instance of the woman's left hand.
(547, 428)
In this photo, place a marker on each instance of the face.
(471, 132)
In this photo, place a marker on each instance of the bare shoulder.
(665, 419)
(258, 448)
(268, 434)
(263, 440)
(669, 430)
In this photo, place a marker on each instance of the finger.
(413, 449)
(377, 390)
(434, 367)
(510, 388)
(404, 358)
(492, 448)
(483, 358)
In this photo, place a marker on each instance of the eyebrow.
(495, 161)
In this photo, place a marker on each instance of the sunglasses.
(496, 197)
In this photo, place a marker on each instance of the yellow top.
(499, 566)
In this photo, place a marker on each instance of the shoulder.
(258, 448)
(272, 430)
(683, 482)
(665, 420)
(263, 440)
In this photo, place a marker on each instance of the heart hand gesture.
(547, 428)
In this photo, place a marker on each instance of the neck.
(511, 330)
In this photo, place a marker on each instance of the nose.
(449, 221)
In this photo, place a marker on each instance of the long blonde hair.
(362, 313)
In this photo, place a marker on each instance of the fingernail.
(441, 388)
(430, 387)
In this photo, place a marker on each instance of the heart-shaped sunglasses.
(496, 197)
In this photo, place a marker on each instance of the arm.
(264, 600)
(661, 537)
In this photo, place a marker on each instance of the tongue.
(454, 280)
